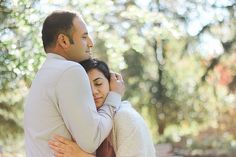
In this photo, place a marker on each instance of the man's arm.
(63, 147)
(87, 126)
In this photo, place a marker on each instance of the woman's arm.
(63, 147)
(133, 139)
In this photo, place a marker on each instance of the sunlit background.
(177, 57)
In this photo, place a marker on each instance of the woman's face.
(99, 85)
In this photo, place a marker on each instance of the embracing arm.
(87, 126)
(63, 147)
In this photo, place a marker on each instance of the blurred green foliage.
(178, 59)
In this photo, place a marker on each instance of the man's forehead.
(79, 24)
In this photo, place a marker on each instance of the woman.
(129, 135)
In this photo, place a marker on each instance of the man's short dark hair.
(56, 23)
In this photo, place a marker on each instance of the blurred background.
(177, 57)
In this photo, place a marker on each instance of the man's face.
(80, 49)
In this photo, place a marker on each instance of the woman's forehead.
(96, 73)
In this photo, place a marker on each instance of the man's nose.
(90, 42)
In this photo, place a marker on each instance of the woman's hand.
(63, 147)
(117, 83)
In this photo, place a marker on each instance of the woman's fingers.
(56, 149)
(62, 139)
(58, 154)
(116, 76)
(119, 77)
(113, 75)
(57, 143)
(117, 84)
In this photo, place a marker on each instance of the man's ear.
(63, 41)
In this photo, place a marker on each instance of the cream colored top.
(130, 134)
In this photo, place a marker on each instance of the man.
(60, 100)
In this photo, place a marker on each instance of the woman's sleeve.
(129, 133)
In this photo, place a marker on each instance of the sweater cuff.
(113, 99)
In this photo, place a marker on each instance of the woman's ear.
(63, 41)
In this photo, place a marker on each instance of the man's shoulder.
(55, 69)
(70, 64)
(61, 65)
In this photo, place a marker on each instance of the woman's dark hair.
(90, 64)
(57, 22)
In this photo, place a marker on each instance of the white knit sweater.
(130, 134)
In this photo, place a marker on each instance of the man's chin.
(85, 58)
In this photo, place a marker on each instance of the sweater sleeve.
(132, 136)
(87, 126)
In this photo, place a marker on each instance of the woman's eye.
(98, 84)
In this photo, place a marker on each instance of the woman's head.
(99, 76)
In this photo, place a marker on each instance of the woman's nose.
(94, 90)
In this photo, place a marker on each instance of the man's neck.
(57, 51)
